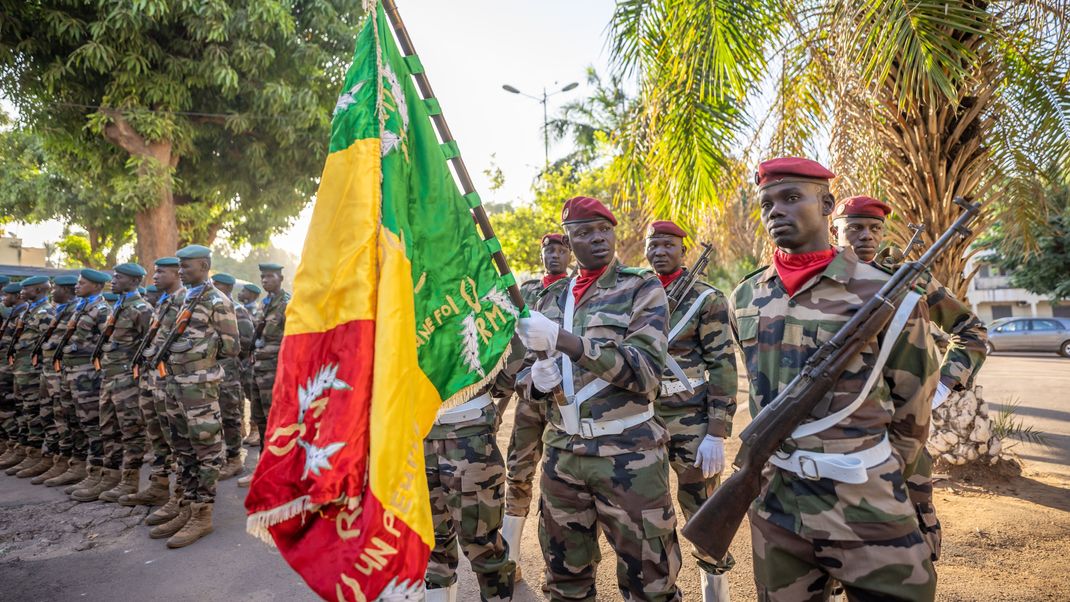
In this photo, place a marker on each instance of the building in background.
(12, 253)
(992, 296)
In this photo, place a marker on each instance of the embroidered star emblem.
(316, 458)
(347, 99)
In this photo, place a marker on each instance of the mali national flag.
(397, 311)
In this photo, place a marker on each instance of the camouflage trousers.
(29, 396)
(196, 433)
(791, 568)
(627, 496)
(152, 403)
(920, 490)
(121, 425)
(72, 435)
(84, 382)
(525, 450)
(264, 377)
(687, 428)
(230, 407)
(57, 431)
(466, 479)
(8, 406)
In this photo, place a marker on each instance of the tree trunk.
(155, 225)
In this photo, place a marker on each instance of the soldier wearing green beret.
(30, 327)
(151, 294)
(14, 453)
(247, 297)
(59, 415)
(267, 342)
(230, 391)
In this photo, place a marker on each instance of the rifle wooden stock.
(139, 354)
(109, 329)
(35, 355)
(714, 526)
(679, 289)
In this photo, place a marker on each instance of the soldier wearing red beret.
(858, 222)
(697, 399)
(606, 465)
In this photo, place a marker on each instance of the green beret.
(111, 297)
(34, 280)
(167, 262)
(14, 288)
(4, 280)
(194, 252)
(252, 288)
(95, 276)
(130, 269)
(141, 290)
(151, 289)
(67, 280)
(270, 267)
(223, 278)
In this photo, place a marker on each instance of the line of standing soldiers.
(650, 386)
(92, 387)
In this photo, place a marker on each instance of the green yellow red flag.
(397, 311)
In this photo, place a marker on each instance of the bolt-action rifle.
(20, 325)
(35, 355)
(109, 329)
(181, 323)
(57, 355)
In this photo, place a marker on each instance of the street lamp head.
(571, 86)
(510, 89)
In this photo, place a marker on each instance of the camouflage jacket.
(704, 349)
(63, 313)
(967, 349)
(210, 336)
(777, 335)
(92, 314)
(35, 321)
(131, 325)
(272, 324)
(165, 313)
(623, 322)
(500, 390)
(246, 329)
(529, 290)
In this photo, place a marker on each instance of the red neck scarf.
(667, 279)
(549, 279)
(797, 270)
(585, 280)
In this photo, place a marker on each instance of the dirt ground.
(1006, 533)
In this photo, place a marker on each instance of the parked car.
(1030, 334)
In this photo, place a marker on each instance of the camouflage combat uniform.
(231, 390)
(60, 431)
(9, 404)
(804, 530)
(617, 482)
(271, 325)
(466, 479)
(28, 389)
(82, 379)
(194, 378)
(121, 423)
(704, 350)
(153, 394)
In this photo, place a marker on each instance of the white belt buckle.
(587, 428)
(813, 473)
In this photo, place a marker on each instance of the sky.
(469, 49)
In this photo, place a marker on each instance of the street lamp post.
(545, 113)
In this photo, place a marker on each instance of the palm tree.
(922, 101)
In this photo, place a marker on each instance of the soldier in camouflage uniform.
(15, 453)
(858, 222)
(31, 326)
(83, 380)
(121, 422)
(204, 335)
(813, 521)
(698, 395)
(152, 295)
(529, 422)
(153, 401)
(247, 297)
(60, 419)
(230, 391)
(606, 464)
(268, 341)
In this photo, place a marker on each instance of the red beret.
(862, 206)
(790, 169)
(585, 209)
(553, 237)
(665, 227)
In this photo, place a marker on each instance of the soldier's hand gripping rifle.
(35, 355)
(20, 325)
(181, 323)
(109, 329)
(679, 289)
(57, 355)
(712, 528)
(139, 354)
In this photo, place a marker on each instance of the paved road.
(56, 550)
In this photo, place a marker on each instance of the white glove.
(538, 333)
(545, 375)
(942, 393)
(710, 456)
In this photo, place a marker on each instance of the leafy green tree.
(78, 252)
(1044, 270)
(202, 116)
(248, 267)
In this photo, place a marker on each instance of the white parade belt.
(672, 387)
(592, 429)
(845, 468)
(469, 410)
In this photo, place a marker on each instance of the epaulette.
(753, 274)
(634, 271)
